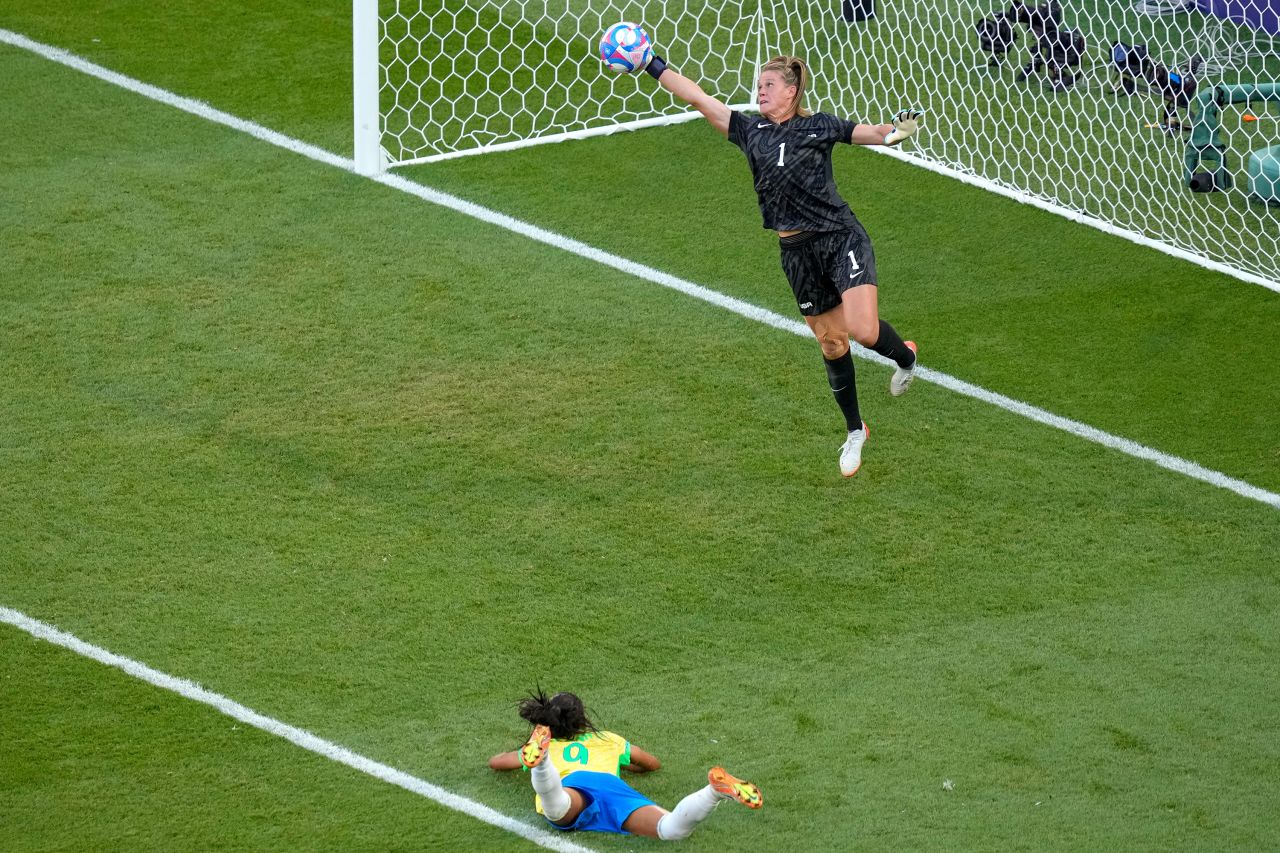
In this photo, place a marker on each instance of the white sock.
(546, 781)
(690, 812)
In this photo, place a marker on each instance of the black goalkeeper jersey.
(791, 165)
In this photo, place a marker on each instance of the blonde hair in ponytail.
(794, 72)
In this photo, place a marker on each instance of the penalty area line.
(299, 737)
(575, 247)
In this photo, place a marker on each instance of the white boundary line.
(541, 235)
(299, 737)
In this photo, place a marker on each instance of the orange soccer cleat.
(733, 788)
(535, 748)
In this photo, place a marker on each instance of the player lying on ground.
(826, 253)
(575, 767)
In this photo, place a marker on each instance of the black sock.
(890, 345)
(840, 375)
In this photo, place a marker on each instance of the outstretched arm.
(870, 134)
(903, 126)
(642, 762)
(505, 761)
(691, 93)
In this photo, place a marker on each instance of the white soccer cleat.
(851, 451)
(901, 380)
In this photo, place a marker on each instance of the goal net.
(1095, 109)
(465, 76)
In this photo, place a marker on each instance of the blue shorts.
(609, 801)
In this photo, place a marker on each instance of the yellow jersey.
(602, 752)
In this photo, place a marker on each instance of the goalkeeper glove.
(905, 124)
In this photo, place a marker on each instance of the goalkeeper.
(826, 254)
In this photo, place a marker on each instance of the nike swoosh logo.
(762, 125)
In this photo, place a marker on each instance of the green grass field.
(375, 469)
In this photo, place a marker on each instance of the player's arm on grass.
(642, 762)
(691, 93)
(505, 761)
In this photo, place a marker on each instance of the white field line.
(541, 235)
(190, 690)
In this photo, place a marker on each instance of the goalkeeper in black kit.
(826, 254)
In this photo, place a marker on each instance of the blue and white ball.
(625, 48)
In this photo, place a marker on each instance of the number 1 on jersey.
(782, 152)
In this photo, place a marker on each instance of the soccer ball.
(625, 48)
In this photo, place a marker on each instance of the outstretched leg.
(560, 804)
(655, 822)
(833, 336)
(862, 315)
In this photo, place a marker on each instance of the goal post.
(1082, 107)
(366, 72)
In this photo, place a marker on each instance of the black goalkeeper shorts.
(821, 265)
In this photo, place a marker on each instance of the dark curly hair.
(563, 713)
